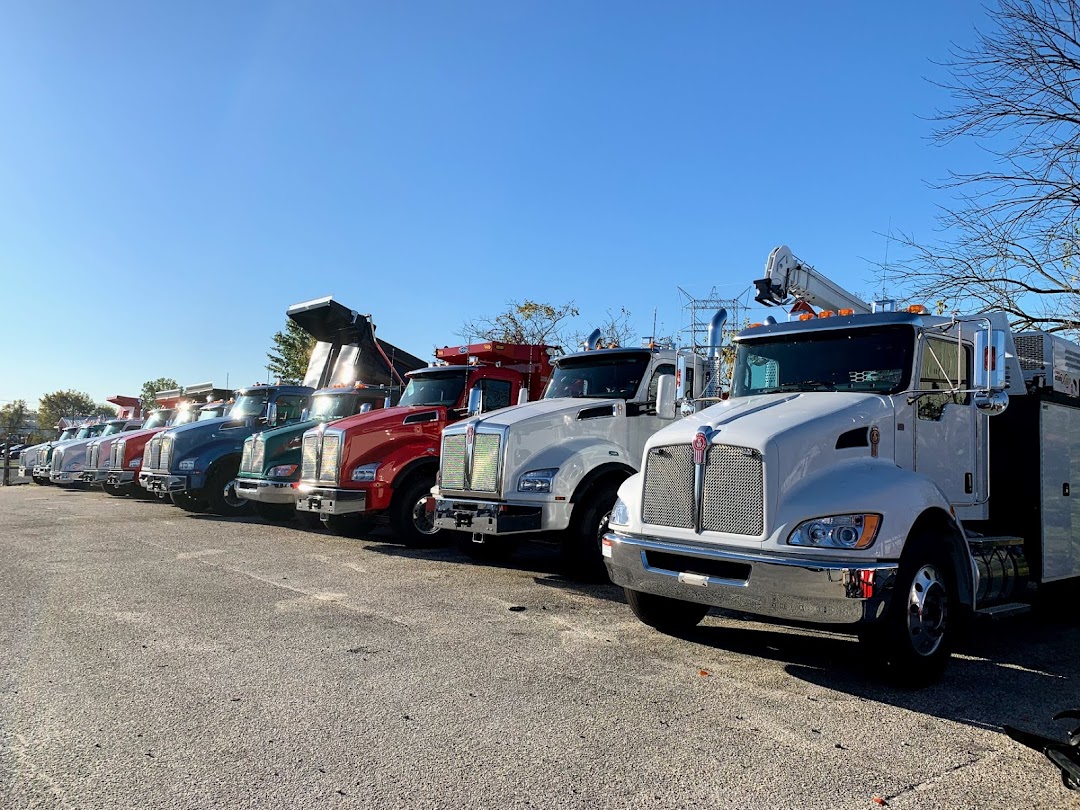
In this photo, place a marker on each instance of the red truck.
(384, 462)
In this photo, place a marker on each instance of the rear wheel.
(354, 525)
(412, 512)
(581, 544)
(275, 512)
(664, 613)
(190, 501)
(221, 495)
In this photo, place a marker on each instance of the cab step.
(1003, 610)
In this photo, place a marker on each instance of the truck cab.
(270, 462)
(99, 450)
(196, 463)
(70, 459)
(554, 465)
(43, 458)
(28, 456)
(888, 473)
(383, 463)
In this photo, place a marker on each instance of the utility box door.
(1059, 449)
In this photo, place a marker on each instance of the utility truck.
(883, 470)
(554, 465)
(368, 378)
(197, 464)
(383, 463)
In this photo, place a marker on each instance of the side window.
(938, 372)
(666, 368)
(496, 394)
(289, 407)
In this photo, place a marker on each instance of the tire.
(581, 542)
(309, 520)
(495, 549)
(915, 638)
(347, 525)
(665, 614)
(221, 497)
(189, 501)
(118, 490)
(411, 512)
(274, 512)
(41, 480)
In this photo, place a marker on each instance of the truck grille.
(116, 457)
(310, 457)
(732, 495)
(331, 457)
(92, 453)
(452, 461)
(251, 459)
(484, 473)
(58, 458)
(669, 487)
(166, 453)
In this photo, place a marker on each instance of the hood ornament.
(701, 444)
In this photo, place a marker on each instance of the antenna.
(885, 266)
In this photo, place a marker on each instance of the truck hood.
(561, 410)
(73, 454)
(187, 437)
(384, 418)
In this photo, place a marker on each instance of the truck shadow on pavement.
(1016, 671)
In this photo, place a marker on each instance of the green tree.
(68, 404)
(150, 389)
(13, 417)
(292, 350)
(524, 322)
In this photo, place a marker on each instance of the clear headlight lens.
(365, 473)
(187, 464)
(620, 513)
(837, 531)
(537, 480)
(282, 471)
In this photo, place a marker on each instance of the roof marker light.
(826, 313)
(846, 312)
(807, 316)
(918, 309)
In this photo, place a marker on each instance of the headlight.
(283, 471)
(620, 513)
(537, 480)
(135, 462)
(837, 531)
(187, 464)
(365, 472)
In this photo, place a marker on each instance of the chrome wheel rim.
(928, 610)
(230, 496)
(423, 515)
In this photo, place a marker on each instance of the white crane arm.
(788, 278)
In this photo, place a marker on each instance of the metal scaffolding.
(697, 316)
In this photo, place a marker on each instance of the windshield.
(111, 428)
(249, 405)
(873, 360)
(601, 377)
(184, 416)
(157, 419)
(435, 388)
(212, 413)
(67, 434)
(327, 407)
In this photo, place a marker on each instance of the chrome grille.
(58, 458)
(245, 454)
(151, 453)
(452, 461)
(669, 487)
(92, 455)
(258, 455)
(166, 453)
(310, 457)
(331, 447)
(116, 457)
(734, 491)
(484, 476)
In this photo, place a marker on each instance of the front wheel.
(221, 495)
(664, 613)
(412, 512)
(354, 525)
(189, 501)
(915, 638)
(581, 547)
(41, 480)
(118, 490)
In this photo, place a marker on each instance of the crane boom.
(786, 278)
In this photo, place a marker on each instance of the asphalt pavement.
(157, 659)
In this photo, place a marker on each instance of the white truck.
(855, 478)
(554, 465)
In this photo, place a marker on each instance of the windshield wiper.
(801, 385)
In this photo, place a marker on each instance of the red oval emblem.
(700, 445)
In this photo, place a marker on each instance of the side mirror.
(665, 396)
(305, 414)
(476, 401)
(991, 402)
(365, 407)
(523, 396)
(990, 359)
(271, 414)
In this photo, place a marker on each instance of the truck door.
(642, 421)
(945, 423)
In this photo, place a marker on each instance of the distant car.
(11, 451)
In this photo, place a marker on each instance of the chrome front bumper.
(487, 517)
(159, 482)
(116, 478)
(94, 476)
(327, 501)
(26, 472)
(264, 491)
(65, 476)
(824, 591)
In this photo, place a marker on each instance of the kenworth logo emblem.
(700, 445)
(470, 434)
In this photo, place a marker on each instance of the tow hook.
(1065, 755)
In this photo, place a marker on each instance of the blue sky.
(173, 176)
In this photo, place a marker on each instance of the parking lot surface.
(153, 658)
